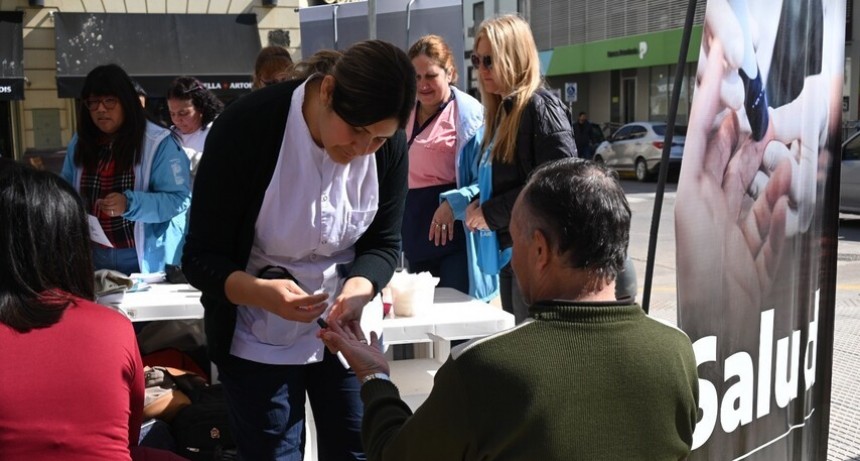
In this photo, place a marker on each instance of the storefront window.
(660, 96)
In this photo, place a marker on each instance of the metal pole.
(664, 161)
(334, 24)
(371, 19)
(408, 22)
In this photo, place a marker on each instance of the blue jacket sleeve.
(169, 191)
(68, 172)
(460, 198)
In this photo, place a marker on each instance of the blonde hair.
(435, 48)
(516, 70)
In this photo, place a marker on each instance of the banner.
(754, 199)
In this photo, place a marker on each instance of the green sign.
(658, 48)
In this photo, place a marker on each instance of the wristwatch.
(373, 376)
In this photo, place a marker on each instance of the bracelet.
(373, 376)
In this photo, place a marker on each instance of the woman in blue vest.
(131, 174)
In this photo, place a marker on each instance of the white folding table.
(452, 316)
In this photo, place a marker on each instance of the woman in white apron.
(297, 211)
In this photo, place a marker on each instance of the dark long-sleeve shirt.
(583, 381)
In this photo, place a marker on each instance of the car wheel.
(642, 170)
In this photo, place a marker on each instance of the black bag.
(201, 429)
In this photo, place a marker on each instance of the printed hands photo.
(721, 220)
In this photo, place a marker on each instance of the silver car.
(637, 148)
(849, 193)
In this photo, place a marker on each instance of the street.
(844, 441)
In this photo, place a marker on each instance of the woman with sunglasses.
(192, 109)
(272, 66)
(131, 174)
(442, 123)
(310, 229)
(526, 126)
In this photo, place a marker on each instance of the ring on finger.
(444, 226)
(362, 341)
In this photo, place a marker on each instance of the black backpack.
(201, 430)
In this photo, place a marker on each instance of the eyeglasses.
(487, 61)
(93, 103)
(194, 88)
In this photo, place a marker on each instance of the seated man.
(588, 378)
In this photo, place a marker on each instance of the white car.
(638, 147)
(849, 193)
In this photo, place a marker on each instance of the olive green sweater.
(581, 381)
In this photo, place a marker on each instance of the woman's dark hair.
(127, 142)
(204, 101)
(45, 243)
(374, 80)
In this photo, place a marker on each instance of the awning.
(11, 55)
(218, 49)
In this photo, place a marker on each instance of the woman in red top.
(71, 385)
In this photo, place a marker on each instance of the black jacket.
(544, 135)
(242, 151)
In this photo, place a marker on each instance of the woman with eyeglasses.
(526, 126)
(131, 174)
(442, 179)
(192, 109)
(296, 216)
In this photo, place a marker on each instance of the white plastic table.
(452, 316)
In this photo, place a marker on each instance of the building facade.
(42, 118)
(616, 59)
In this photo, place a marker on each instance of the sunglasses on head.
(273, 81)
(194, 88)
(477, 60)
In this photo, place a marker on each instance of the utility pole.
(371, 19)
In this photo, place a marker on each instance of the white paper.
(97, 234)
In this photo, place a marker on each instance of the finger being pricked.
(336, 337)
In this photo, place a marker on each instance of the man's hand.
(365, 359)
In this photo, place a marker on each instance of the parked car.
(638, 147)
(849, 193)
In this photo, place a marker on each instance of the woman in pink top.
(444, 120)
(71, 379)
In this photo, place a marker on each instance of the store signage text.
(227, 86)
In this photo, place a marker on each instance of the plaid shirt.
(97, 185)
